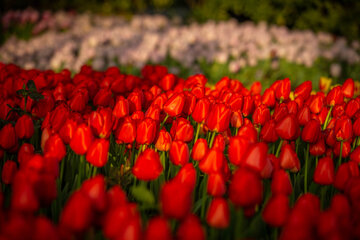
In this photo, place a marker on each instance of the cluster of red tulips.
(109, 155)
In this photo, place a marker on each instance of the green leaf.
(31, 85)
(143, 195)
(35, 96)
(21, 92)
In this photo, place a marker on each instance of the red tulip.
(261, 115)
(135, 100)
(147, 166)
(335, 96)
(236, 119)
(268, 133)
(94, 189)
(199, 150)
(246, 188)
(281, 183)
(23, 197)
(77, 214)
(216, 185)
(352, 107)
(167, 82)
(236, 102)
(287, 128)
(9, 170)
(8, 137)
(304, 115)
(164, 141)
(219, 118)
(248, 131)
(348, 88)
(343, 129)
(121, 108)
(101, 122)
(255, 88)
(268, 98)
(219, 143)
(120, 219)
(190, 229)
(158, 228)
(283, 89)
(318, 148)
(146, 131)
(67, 131)
(289, 159)
(179, 153)
(355, 155)
(248, 106)
(187, 176)
(55, 148)
(25, 153)
(79, 100)
(213, 162)
(174, 106)
(324, 171)
(238, 147)
(303, 90)
(24, 127)
(311, 131)
(277, 210)
(218, 215)
(280, 112)
(126, 131)
(346, 149)
(175, 200)
(316, 104)
(81, 140)
(344, 173)
(201, 110)
(255, 157)
(97, 153)
(182, 130)
(356, 127)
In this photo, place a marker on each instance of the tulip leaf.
(143, 195)
(21, 92)
(31, 85)
(35, 96)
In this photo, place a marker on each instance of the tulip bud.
(97, 154)
(277, 210)
(199, 150)
(158, 228)
(218, 215)
(281, 183)
(81, 140)
(8, 137)
(146, 131)
(246, 188)
(163, 143)
(289, 159)
(8, 172)
(147, 166)
(24, 127)
(219, 118)
(174, 106)
(324, 171)
(190, 229)
(179, 153)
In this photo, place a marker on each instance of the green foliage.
(338, 17)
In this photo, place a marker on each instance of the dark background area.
(337, 17)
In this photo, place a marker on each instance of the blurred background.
(332, 28)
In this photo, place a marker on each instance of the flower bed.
(109, 155)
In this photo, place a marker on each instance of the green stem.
(275, 233)
(327, 118)
(197, 132)
(306, 168)
(236, 131)
(212, 139)
(323, 196)
(278, 149)
(163, 122)
(204, 195)
(340, 155)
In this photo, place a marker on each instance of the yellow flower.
(324, 84)
(356, 88)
